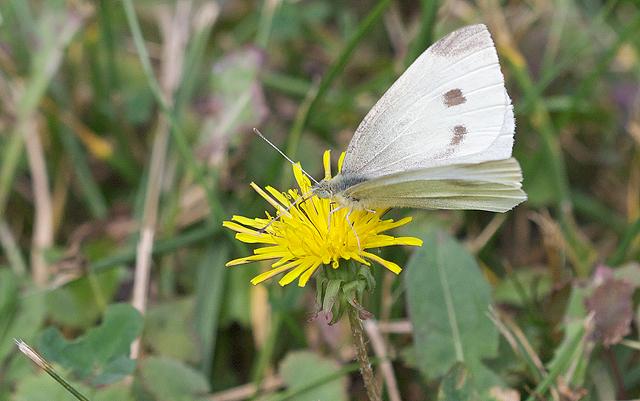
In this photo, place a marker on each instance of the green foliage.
(82, 301)
(19, 316)
(448, 300)
(302, 368)
(457, 385)
(169, 330)
(165, 379)
(101, 354)
(43, 388)
(344, 288)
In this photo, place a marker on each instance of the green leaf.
(302, 368)
(169, 330)
(114, 370)
(78, 304)
(448, 300)
(42, 387)
(20, 317)
(102, 353)
(166, 379)
(457, 385)
(117, 392)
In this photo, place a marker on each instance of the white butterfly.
(439, 138)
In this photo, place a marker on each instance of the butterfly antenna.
(255, 130)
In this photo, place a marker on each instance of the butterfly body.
(439, 138)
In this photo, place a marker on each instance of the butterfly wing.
(449, 107)
(493, 186)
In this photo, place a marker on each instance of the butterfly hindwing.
(493, 186)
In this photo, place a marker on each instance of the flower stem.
(361, 352)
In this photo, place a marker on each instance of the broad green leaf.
(116, 392)
(299, 369)
(448, 301)
(42, 387)
(169, 330)
(114, 370)
(165, 379)
(20, 317)
(457, 385)
(78, 304)
(101, 353)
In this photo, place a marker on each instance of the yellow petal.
(412, 241)
(357, 258)
(293, 274)
(326, 163)
(278, 195)
(269, 199)
(389, 265)
(389, 224)
(307, 275)
(341, 161)
(255, 239)
(272, 272)
(301, 179)
(249, 259)
(239, 228)
(255, 223)
(386, 240)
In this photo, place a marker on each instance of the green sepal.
(343, 288)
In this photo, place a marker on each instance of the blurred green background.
(125, 141)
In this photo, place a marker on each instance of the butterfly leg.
(353, 229)
(330, 213)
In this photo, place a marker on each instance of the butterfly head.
(324, 189)
(336, 186)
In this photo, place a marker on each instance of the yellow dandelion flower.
(304, 238)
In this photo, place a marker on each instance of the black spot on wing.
(454, 97)
(459, 132)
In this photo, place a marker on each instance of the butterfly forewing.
(450, 106)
